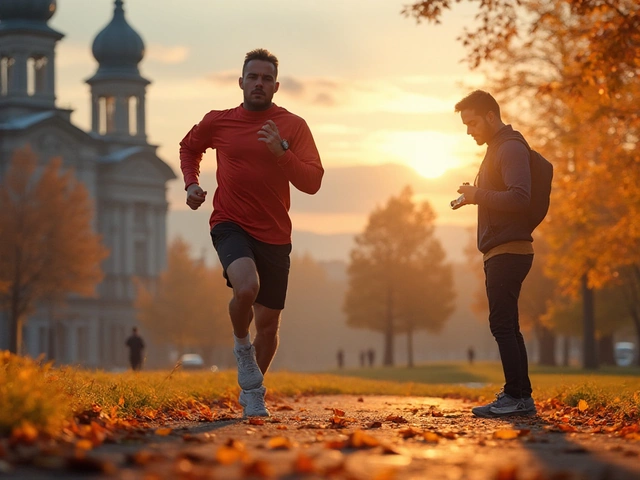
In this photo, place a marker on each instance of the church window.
(6, 64)
(133, 116)
(107, 109)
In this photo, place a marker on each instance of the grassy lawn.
(47, 397)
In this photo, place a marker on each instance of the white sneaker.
(249, 374)
(253, 402)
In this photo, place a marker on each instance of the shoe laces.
(257, 397)
(246, 360)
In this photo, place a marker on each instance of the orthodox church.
(121, 170)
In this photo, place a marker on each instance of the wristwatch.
(285, 145)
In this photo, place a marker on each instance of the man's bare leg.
(267, 338)
(243, 275)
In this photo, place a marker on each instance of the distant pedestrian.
(471, 355)
(371, 356)
(136, 347)
(363, 358)
(340, 358)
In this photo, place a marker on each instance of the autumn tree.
(187, 308)
(48, 249)
(399, 282)
(607, 33)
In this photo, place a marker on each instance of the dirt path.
(349, 437)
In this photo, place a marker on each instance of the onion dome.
(29, 10)
(118, 48)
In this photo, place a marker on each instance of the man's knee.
(246, 292)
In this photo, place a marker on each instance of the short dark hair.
(480, 101)
(260, 54)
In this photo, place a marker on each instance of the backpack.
(541, 178)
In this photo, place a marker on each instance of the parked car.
(191, 361)
(625, 353)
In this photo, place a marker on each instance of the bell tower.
(117, 88)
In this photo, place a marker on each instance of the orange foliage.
(48, 247)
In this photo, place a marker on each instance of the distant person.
(502, 192)
(371, 356)
(340, 356)
(135, 343)
(261, 149)
(363, 358)
(471, 355)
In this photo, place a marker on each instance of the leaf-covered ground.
(338, 436)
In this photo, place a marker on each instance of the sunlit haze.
(374, 87)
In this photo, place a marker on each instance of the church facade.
(121, 170)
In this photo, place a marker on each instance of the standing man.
(136, 347)
(260, 149)
(502, 192)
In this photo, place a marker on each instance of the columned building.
(125, 177)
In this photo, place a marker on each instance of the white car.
(191, 361)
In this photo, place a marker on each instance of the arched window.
(6, 63)
(133, 116)
(107, 107)
(36, 74)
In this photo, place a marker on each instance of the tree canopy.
(398, 279)
(48, 248)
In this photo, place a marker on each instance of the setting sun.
(429, 153)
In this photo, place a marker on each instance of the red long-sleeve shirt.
(253, 184)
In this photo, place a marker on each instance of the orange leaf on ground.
(25, 433)
(84, 444)
(506, 434)
(360, 439)
(280, 443)
(583, 405)
(396, 419)
(259, 468)
(256, 421)
(338, 413)
(431, 437)
(230, 452)
(303, 464)
(163, 432)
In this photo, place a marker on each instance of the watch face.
(285, 145)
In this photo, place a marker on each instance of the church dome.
(118, 48)
(31, 10)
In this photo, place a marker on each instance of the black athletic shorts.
(272, 261)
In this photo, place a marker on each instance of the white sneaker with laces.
(253, 402)
(249, 374)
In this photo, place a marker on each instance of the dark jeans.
(504, 275)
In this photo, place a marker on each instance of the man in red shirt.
(260, 149)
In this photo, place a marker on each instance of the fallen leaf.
(304, 464)
(506, 434)
(280, 443)
(163, 432)
(583, 405)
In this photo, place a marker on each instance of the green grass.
(47, 397)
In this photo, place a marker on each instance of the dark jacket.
(504, 191)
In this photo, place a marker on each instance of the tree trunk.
(589, 354)
(389, 333)
(547, 343)
(16, 322)
(605, 350)
(566, 350)
(410, 348)
(15, 340)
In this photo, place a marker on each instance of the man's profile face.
(477, 125)
(258, 84)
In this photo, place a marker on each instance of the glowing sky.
(374, 86)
